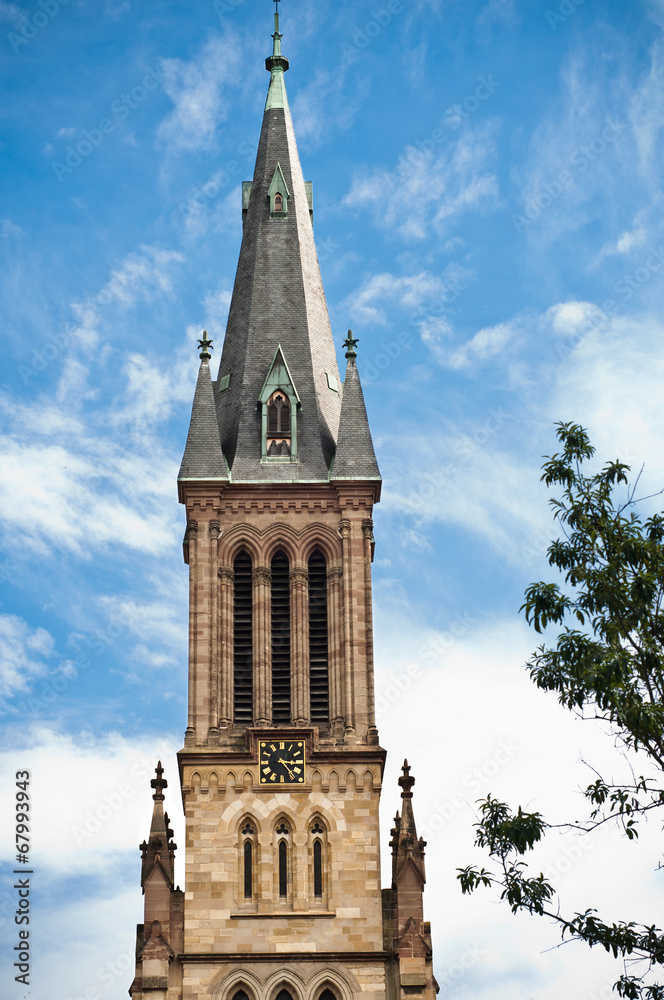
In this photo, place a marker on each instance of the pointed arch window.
(281, 639)
(278, 203)
(248, 848)
(319, 684)
(318, 856)
(283, 995)
(283, 850)
(279, 425)
(243, 694)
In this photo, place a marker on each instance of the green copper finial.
(276, 60)
(350, 343)
(205, 347)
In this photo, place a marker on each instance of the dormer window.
(279, 403)
(278, 194)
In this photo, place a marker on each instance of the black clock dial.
(281, 762)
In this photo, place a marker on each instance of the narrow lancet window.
(318, 869)
(283, 869)
(248, 869)
(281, 639)
(318, 645)
(278, 203)
(243, 641)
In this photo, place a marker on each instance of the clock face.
(281, 762)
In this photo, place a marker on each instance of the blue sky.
(490, 222)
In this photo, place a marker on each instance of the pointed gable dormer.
(278, 301)
(279, 403)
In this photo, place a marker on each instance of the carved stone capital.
(226, 575)
(344, 528)
(215, 529)
(334, 574)
(192, 530)
(299, 576)
(367, 528)
(262, 575)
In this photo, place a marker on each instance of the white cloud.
(484, 345)
(77, 498)
(142, 276)
(625, 243)
(8, 228)
(12, 13)
(196, 89)
(496, 12)
(518, 744)
(423, 296)
(573, 319)
(429, 190)
(647, 112)
(23, 652)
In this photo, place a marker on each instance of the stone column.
(262, 646)
(191, 539)
(226, 640)
(335, 640)
(348, 654)
(367, 530)
(214, 530)
(299, 630)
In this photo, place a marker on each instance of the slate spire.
(278, 300)
(355, 458)
(203, 458)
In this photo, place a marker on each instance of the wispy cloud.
(23, 654)
(484, 345)
(429, 190)
(196, 89)
(496, 13)
(143, 275)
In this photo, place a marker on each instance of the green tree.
(607, 663)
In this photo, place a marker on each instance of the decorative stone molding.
(192, 530)
(262, 575)
(299, 576)
(344, 528)
(367, 528)
(334, 574)
(214, 528)
(226, 575)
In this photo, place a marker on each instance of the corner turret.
(160, 937)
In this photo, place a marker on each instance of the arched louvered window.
(243, 641)
(318, 647)
(278, 203)
(283, 868)
(281, 639)
(318, 869)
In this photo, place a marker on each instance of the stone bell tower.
(281, 768)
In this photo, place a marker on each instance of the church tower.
(281, 768)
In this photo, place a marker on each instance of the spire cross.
(205, 347)
(350, 343)
(159, 784)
